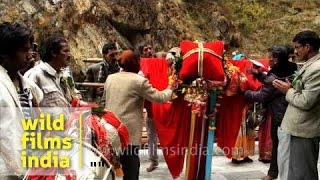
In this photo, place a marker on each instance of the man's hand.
(282, 86)
(170, 61)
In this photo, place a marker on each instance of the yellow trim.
(200, 59)
(192, 127)
(196, 50)
(200, 50)
(80, 140)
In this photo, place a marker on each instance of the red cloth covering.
(189, 68)
(101, 134)
(122, 130)
(244, 65)
(50, 174)
(172, 120)
(145, 70)
(198, 150)
(230, 111)
(265, 62)
(265, 141)
(264, 135)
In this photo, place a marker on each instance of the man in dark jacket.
(281, 69)
(100, 71)
(302, 118)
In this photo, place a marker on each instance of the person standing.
(302, 117)
(55, 55)
(15, 53)
(33, 61)
(99, 72)
(281, 69)
(124, 94)
(146, 51)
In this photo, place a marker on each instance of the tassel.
(119, 172)
(112, 119)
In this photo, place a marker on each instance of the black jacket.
(269, 95)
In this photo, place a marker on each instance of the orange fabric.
(244, 146)
(233, 85)
(229, 117)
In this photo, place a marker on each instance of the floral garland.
(197, 91)
(174, 70)
(229, 68)
(237, 80)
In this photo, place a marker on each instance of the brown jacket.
(124, 95)
(99, 73)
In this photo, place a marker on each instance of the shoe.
(235, 161)
(265, 160)
(152, 166)
(267, 178)
(248, 160)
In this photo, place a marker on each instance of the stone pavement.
(222, 168)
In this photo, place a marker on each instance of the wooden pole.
(92, 60)
(89, 84)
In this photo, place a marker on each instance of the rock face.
(89, 24)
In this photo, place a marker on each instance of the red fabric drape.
(265, 141)
(198, 150)
(172, 120)
(228, 122)
(265, 62)
(230, 111)
(50, 174)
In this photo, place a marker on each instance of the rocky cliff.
(251, 25)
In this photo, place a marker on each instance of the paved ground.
(222, 169)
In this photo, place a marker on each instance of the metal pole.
(210, 144)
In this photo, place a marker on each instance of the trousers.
(152, 140)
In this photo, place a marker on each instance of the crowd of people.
(291, 95)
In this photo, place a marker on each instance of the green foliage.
(253, 11)
(99, 111)
(177, 64)
(249, 15)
